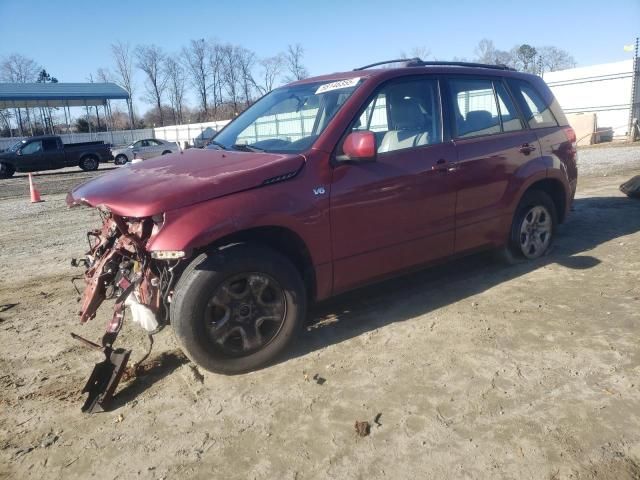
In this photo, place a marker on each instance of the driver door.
(398, 211)
(31, 156)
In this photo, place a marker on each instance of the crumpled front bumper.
(117, 266)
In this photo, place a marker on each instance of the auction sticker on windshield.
(351, 82)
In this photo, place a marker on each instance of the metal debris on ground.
(377, 421)
(362, 428)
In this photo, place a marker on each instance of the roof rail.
(406, 62)
(416, 62)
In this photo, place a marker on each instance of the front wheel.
(6, 170)
(89, 163)
(121, 160)
(234, 310)
(533, 228)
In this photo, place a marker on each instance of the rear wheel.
(533, 228)
(121, 160)
(166, 152)
(236, 309)
(6, 170)
(89, 163)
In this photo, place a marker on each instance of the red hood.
(178, 180)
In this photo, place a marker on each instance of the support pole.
(634, 110)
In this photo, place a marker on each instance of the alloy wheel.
(535, 232)
(245, 313)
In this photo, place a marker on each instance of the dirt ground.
(468, 370)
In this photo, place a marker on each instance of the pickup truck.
(49, 153)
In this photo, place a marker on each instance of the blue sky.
(71, 38)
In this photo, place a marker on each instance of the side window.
(153, 143)
(537, 111)
(475, 109)
(508, 113)
(33, 147)
(403, 114)
(138, 144)
(374, 116)
(49, 144)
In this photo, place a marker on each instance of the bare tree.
(232, 74)
(103, 75)
(123, 58)
(270, 70)
(246, 63)
(554, 58)
(293, 62)
(421, 52)
(151, 61)
(176, 86)
(485, 52)
(197, 63)
(17, 68)
(503, 57)
(216, 52)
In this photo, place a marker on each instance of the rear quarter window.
(537, 110)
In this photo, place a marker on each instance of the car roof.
(433, 68)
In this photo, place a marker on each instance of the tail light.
(571, 136)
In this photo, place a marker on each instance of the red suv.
(322, 186)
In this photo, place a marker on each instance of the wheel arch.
(281, 239)
(556, 190)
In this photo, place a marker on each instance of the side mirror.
(359, 147)
(19, 152)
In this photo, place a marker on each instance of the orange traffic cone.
(35, 195)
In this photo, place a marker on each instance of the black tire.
(121, 159)
(527, 242)
(166, 152)
(196, 327)
(6, 170)
(89, 163)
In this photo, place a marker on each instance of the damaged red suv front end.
(119, 267)
(135, 257)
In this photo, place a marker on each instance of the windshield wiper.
(247, 148)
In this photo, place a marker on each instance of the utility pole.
(634, 111)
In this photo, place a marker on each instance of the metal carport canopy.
(28, 95)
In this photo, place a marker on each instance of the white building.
(602, 90)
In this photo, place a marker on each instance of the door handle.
(527, 148)
(444, 166)
(441, 166)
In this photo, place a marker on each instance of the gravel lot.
(472, 369)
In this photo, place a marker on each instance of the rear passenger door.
(494, 151)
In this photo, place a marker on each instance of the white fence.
(186, 133)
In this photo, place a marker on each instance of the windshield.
(16, 146)
(289, 119)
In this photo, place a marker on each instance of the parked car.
(204, 138)
(36, 154)
(144, 149)
(377, 172)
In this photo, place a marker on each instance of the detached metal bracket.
(106, 375)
